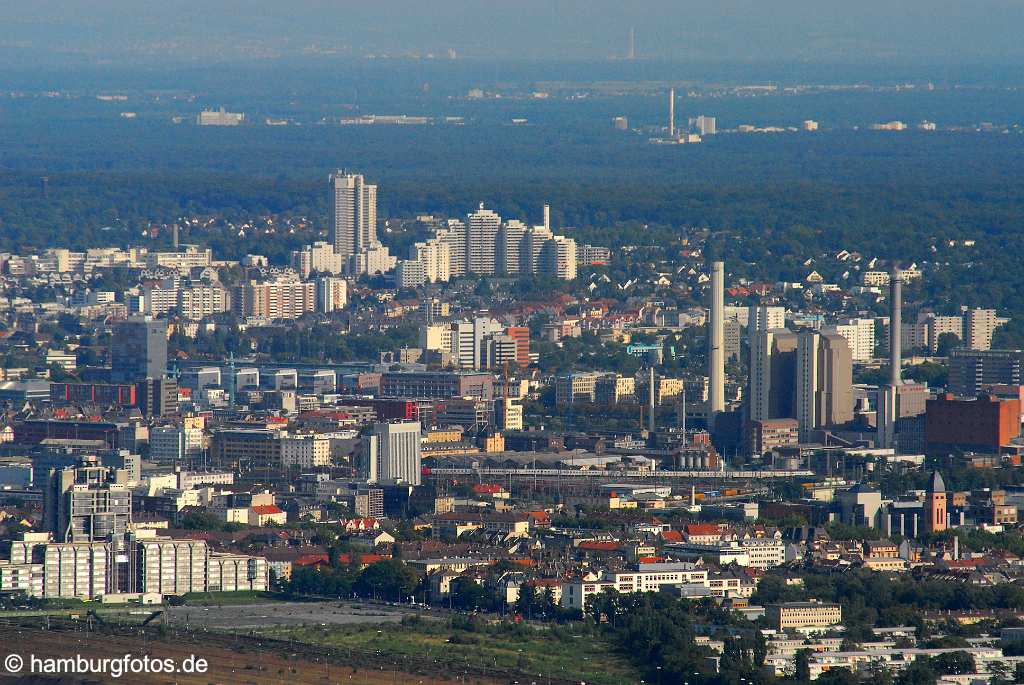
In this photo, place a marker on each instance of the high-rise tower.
(353, 213)
(716, 342)
(672, 113)
(888, 396)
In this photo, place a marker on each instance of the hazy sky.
(939, 31)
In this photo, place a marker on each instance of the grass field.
(537, 653)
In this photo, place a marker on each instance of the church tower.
(935, 504)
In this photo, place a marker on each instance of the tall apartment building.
(772, 392)
(558, 258)
(510, 240)
(860, 336)
(971, 370)
(392, 453)
(282, 298)
(435, 257)
(87, 503)
(763, 317)
(138, 350)
(319, 257)
(200, 301)
(979, 324)
(824, 382)
(353, 213)
(331, 294)
(531, 249)
(454, 235)
(482, 240)
(410, 274)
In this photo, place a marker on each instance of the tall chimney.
(174, 231)
(672, 113)
(650, 400)
(547, 217)
(895, 327)
(716, 342)
(632, 43)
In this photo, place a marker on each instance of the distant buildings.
(392, 453)
(983, 424)
(138, 350)
(971, 370)
(799, 615)
(824, 382)
(353, 214)
(219, 117)
(280, 298)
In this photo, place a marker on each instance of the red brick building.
(979, 425)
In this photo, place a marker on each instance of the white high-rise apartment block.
(979, 324)
(510, 240)
(353, 212)
(319, 257)
(331, 294)
(410, 274)
(763, 317)
(393, 453)
(436, 256)
(200, 301)
(376, 259)
(530, 257)
(559, 258)
(454, 234)
(860, 336)
(481, 240)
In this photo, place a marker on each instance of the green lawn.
(564, 652)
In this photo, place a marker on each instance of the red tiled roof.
(597, 546)
(701, 529)
(311, 560)
(364, 559)
(672, 536)
(266, 509)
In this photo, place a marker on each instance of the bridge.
(589, 474)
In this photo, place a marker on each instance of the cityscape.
(341, 358)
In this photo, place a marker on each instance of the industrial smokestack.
(174, 231)
(895, 327)
(632, 43)
(547, 217)
(671, 112)
(650, 400)
(716, 342)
